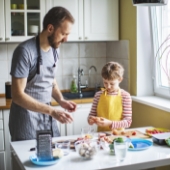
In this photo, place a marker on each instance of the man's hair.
(112, 71)
(56, 16)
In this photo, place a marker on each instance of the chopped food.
(57, 153)
(134, 133)
(131, 145)
(156, 131)
(86, 150)
(120, 140)
(88, 136)
(115, 132)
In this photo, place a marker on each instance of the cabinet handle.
(86, 38)
(1, 39)
(7, 39)
(79, 38)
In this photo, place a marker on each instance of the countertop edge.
(6, 103)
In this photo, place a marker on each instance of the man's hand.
(68, 105)
(61, 116)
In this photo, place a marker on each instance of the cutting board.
(128, 133)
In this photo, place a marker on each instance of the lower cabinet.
(80, 119)
(2, 161)
(61, 127)
(2, 148)
(7, 139)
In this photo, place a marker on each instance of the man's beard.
(51, 41)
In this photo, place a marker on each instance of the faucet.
(95, 69)
(80, 73)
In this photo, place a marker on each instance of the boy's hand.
(103, 122)
(91, 120)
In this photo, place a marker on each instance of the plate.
(35, 161)
(140, 144)
(152, 131)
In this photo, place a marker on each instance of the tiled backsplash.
(72, 56)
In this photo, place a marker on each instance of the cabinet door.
(73, 6)
(23, 19)
(61, 127)
(2, 161)
(101, 20)
(7, 140)
(2, 25)
(80, 119)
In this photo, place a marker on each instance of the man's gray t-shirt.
(25, 56)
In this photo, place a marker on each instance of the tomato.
(133, 133)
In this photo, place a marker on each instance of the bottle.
(73, 88)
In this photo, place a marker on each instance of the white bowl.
(86, 148)
(33, 29)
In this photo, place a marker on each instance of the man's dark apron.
(24, 123)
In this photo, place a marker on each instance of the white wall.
(73, 55)
(144, 53)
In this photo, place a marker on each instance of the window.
(160, 17)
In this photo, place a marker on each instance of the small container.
(73, 88)
(13, 6)
(64, 146)
(87, 149)
(33, 29)
(8, 90)
(21, 6)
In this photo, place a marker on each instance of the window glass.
(160, 19)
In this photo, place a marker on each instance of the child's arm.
(126, 114)
(93, 112)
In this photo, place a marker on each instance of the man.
(33, 83)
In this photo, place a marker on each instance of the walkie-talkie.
(44, 145)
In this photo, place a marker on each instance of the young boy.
(112, 106)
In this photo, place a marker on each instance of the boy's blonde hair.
(112, 70)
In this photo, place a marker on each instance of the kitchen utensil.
(160, 138)
(8, 90)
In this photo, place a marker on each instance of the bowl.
(87, 148)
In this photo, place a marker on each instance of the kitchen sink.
(86, 94)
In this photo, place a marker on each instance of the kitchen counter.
(152, 157)
(6, 103)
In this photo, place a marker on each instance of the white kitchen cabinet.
(7, 137)
(2, 25)
(80, 119)
(61, 127)
(2, 152)
(95, 20)
(2, 161)
(20, 16)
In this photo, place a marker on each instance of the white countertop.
(155, 156)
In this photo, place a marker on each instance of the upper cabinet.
(2, 25)
(23, 19)
(95, 20)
